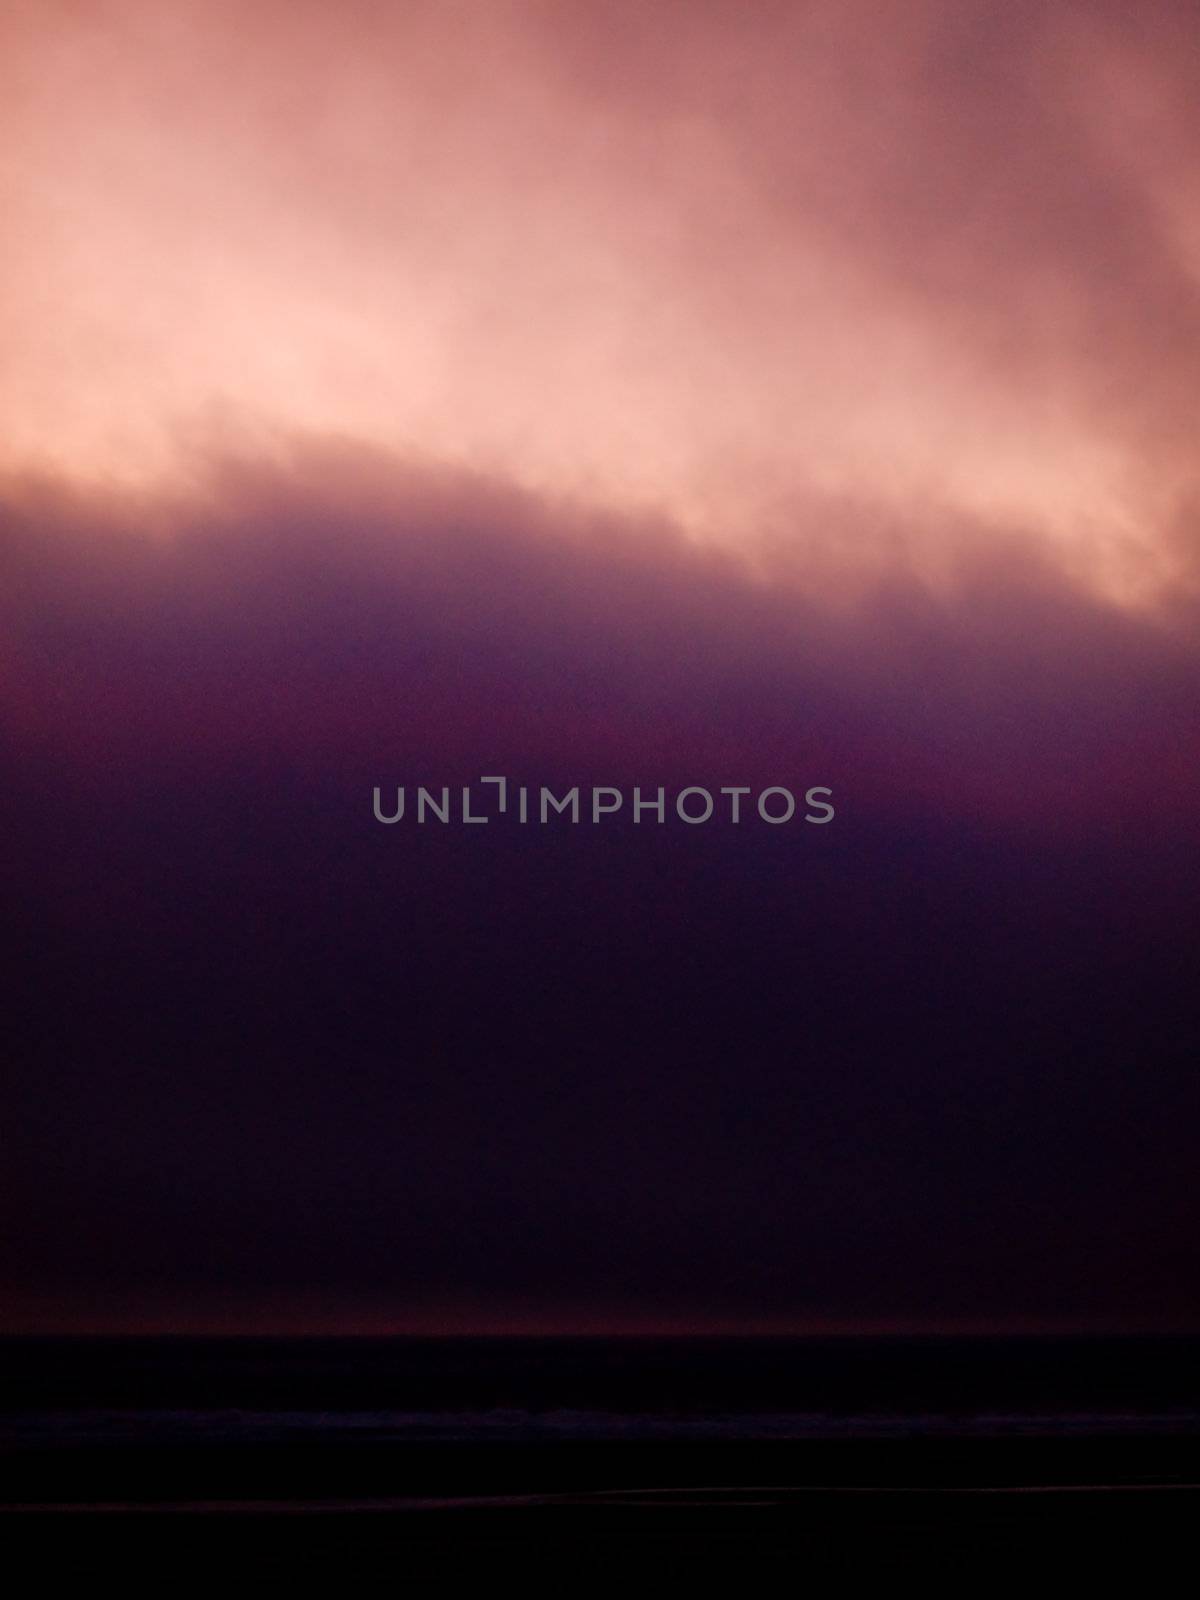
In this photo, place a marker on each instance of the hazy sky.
(706, 259)
(748, 393)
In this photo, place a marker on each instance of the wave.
(60, 1427)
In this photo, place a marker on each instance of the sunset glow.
(894, 258)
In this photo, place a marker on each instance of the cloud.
(278, 1064)
(939, 256)
(788, 394)
(349, 607)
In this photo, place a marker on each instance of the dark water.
(72, 1390)
(626, 1432)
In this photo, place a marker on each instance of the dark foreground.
(865, 1450)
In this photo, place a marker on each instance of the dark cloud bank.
(277, 1065)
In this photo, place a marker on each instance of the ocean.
(617, 1437)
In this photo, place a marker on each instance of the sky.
(714, 394)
